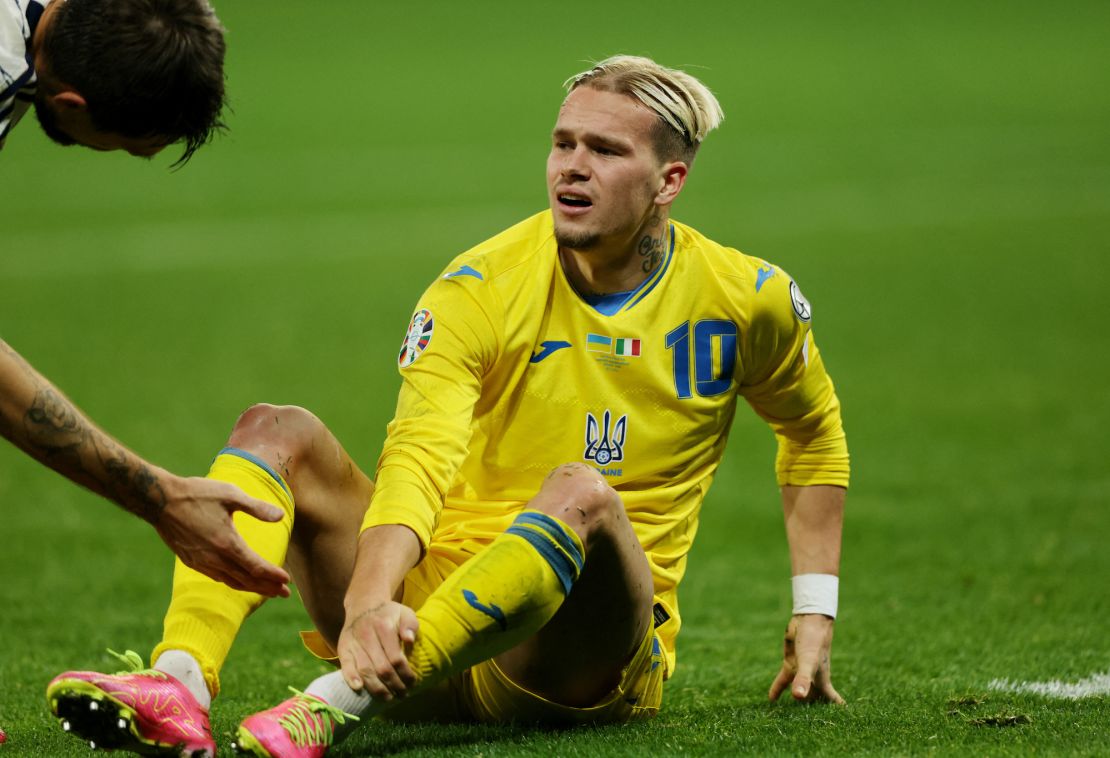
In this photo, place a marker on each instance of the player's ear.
(69, 100)
(672, 181)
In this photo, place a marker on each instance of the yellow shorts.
(484, 693)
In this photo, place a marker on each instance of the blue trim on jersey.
(257, 462)
(17, 84)
(614, 303)
(609, 304)
(652, 281)
(34, 13)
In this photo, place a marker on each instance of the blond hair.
(687, 110)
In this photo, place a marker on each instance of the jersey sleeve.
(451, 342)
(785, 382)
(15, 72)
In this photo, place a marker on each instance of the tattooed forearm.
(57, 434)
(52, 424)
(41, 421)
(129, 480)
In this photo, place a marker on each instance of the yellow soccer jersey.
(508, 372)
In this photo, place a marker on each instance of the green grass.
(936, 176)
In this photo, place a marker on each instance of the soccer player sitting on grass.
(134, 75)
(567, 390)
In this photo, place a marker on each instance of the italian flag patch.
(626, 346)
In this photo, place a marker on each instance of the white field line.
(1092, 686)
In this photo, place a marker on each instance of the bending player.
(568, 387)
(134, 75)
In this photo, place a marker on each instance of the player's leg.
(331, 494)
(578, 656)
(280, 454)
(291, 446)
(497, 602)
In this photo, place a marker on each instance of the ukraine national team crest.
(605, 441)
(418, 337)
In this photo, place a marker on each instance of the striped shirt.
(18, 21)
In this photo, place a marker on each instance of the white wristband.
(816, 593)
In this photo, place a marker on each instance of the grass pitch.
(936, 177)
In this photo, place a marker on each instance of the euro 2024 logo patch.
(418, 337)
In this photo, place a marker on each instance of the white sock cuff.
(184, 668)
(333, 690)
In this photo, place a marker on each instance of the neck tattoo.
(651, 249)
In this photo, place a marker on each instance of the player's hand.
(373, 647)
(805, 661)
(196, 524)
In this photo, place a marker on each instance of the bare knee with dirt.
(577, 657)
(331, 495)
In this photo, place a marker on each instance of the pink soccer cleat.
(301, 727)
(143, 710)
(3, 737)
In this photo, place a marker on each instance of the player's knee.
(581, 497)
(287, 430)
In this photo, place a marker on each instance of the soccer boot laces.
(141, 710)
(301, 727)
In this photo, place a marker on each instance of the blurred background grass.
(936, 177)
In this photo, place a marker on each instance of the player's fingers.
(349, 665)
(830, 693)
(260, 509)
(263, 574)
(780, 684)
(231, 573)
(801, 686)
(220, 574)
(378, 675)
(807, 658)
(368, 656)
(259, 573)
(407, 627)
(390, 665)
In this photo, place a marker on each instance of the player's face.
(603, 177)
(68, 126)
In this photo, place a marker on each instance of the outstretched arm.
(814, 516)
(192, 515)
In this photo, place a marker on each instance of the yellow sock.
(498, 598)
(204, 615)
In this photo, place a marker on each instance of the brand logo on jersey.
(491, 610)
(547, 347)
(465, 271)
(417, 339)
(605, 443)
(762, 275)
(801, 305)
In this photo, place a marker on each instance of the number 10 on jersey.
(714, 357)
